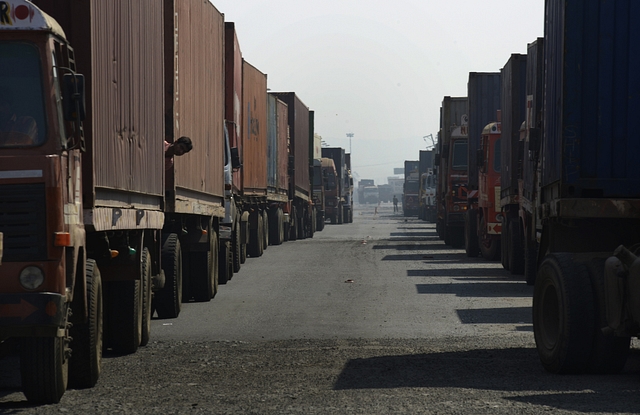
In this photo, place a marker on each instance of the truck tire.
(225, 263)
(302, 225)
(86, 347)
(515, 250)
(265, 229)
(457, 237)
(254, 248)
(489, 247)
(471, 233)
(610, 352)
(563, 315)
(168, 301)
(320, 223)
(124, 319)
(293, 231)
(339, 215)
(203, 271)
(237, 248)
(530, 261)
(44, 369)
(145, 273)
(504, 246)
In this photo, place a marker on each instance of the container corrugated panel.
(194, 62)
(483, 91)
(514, 100)
(454, 112)
(426, 160)
(272, 143)
(535, 73)
(254, 130)
(311, 139)
(233, 93)
(592, 99)
(282, 114)
(119, 48)
(298, 140)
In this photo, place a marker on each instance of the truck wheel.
(293, 232)
(224, 263)
(320, 223)
(125, 316)
(255, 238)
(516, 251)
(530, 261)
(281, 227)
(457, 237)
(563, 315)
(44, 368)
(168, 301)
(265, 229)
(145, 272)
(260, 235)
(610, 352)
(340, 217)
(489, 247)
(86, 347)
(504, 246)
(471, 233)
(203, 271)
(243, 253)
(237, 248)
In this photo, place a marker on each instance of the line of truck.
(537, 167)
(98, 228)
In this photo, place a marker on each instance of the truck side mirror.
(235, 158)
(73, 97)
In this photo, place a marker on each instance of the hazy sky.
(380, 70)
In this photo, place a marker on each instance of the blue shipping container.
(592, 98)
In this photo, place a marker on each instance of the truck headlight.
(31, 277)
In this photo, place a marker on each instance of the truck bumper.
(32, 315)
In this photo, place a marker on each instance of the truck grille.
(23, 222)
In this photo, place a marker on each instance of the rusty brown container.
(254, 131)
(194, 104)
(123, 66)
(298, 120)
(233, 93)
(282, 114)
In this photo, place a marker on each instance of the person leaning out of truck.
(15, 129)
(181, 146)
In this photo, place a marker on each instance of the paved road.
(373, 317)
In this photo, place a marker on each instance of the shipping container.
(426, 160)
(298, 121)
(194, 104)
(254, 131)
(282, 113)
(514, 101)
(535, 72)
(484, 100)
(233, 95)
(591, 99)
(277, 151)
(123, 164)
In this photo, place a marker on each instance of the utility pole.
(350, 135)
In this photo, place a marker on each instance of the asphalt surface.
(373, 317)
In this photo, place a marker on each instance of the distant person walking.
(395, 203)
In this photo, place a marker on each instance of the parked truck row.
(98, 228)
(536, 166)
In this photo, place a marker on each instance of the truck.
(427, 191)
(348, 183)
(318, 183)
(371, 195)
(361, 185)
(451, 162)
(386, 193)
(99, 213)
(513, 115)
(585, 299)
(482, 219)
(529, 186)
(411, 188)
(298, 211)
(339, 202)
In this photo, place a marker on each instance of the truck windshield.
(22, 114)
(459, 160)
